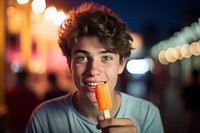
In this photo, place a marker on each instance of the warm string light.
(22, 1)
(50, 13)
(38, 6)
(178, 53)
(178, 44)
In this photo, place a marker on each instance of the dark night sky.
(154, 19)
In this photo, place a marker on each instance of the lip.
(90, 89)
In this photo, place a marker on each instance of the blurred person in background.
(20, 102)
(55, 90)
(191, 100)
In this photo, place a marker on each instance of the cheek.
(76, 75)
(76, 70)
(112, 75)
(113, 68)
(112, 71)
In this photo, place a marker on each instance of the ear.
(122, 65)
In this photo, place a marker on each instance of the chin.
(91, 97)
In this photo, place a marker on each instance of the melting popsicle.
(104, 99)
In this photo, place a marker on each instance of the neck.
(87, 110)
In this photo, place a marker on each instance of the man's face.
(92, 64)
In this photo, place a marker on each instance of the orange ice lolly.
(104, 99)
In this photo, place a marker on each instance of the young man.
(96, 44)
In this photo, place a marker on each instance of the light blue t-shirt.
(60, 116)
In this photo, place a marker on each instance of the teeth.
(94, 84)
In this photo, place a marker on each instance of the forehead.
(89, 43)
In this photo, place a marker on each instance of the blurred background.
(163, 68)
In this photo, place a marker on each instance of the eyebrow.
(86, 52)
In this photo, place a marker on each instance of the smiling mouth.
(93, 84)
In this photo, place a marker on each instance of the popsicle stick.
(106, 113)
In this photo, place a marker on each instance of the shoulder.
(54, 105)
(145, 114)
(138, 103)
(52, 115)
(135, 100)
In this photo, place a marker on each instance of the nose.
(93, 67)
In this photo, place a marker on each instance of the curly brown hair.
(92, 19)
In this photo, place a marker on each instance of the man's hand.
(116, 125)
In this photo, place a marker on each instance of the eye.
(106, 58)
(81, 59)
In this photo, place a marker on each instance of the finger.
(120, 129)
(115, 122)
(100, 118)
